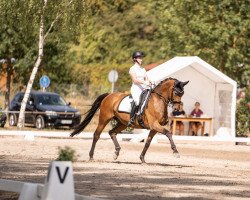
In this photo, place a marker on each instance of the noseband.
(175, 91)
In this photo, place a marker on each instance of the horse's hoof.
(144, 163)
(176, 155)
(115, 157)
(91, 159)
(142, 160)
(116, 154)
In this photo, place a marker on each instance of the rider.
(140, 82)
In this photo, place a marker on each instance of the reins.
(168, 101)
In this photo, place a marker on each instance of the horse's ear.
(184, 83)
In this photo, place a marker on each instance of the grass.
(83, 104)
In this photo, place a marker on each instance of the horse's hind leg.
(147, 144)
(113, 132)
(96, 137)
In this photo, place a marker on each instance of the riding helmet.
(138, 54)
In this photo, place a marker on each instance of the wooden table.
(194, 119)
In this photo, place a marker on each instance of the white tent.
(214, 90)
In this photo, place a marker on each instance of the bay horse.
(168, 91)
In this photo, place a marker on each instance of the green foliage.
(95, 36)
(218, 32)
(215, 31)
(113, 123)
(66, 154)
(19, 31)
(242, 116)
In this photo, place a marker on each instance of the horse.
(155, 116)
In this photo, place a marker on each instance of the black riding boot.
(133, 115)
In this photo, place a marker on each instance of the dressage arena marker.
(59, 178)
(58, 185)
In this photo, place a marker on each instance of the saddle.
(127, 103)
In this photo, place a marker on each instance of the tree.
(7, 68)
(34, 71)
(47, 11)
(218, 32)
(13, 37)
(242, 114)
(114, 30)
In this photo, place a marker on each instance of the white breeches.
(136, 92)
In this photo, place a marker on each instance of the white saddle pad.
(125, 104)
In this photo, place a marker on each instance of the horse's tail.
(90, 114)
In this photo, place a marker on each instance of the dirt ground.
(205, 170)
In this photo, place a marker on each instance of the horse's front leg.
(147, 144)
(173, 146)
(166, 131)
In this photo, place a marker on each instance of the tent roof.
(160, 72)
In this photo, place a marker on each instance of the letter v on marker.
(62, 179)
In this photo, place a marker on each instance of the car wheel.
(13, 120)
(40, 124)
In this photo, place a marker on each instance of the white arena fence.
(58, 185)
(138, 136)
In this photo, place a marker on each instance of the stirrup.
(131, 122)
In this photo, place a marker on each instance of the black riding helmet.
(138, 54)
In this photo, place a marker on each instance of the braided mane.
(163, 81)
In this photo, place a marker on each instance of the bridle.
(175, 91)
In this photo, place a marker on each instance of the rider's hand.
(153, 83)
(147, 83)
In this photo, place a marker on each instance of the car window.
(31, 100)
(51, 99)
(20, 98)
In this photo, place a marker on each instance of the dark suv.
(44, 109)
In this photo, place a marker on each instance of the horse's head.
(177, 93)
(172, 90)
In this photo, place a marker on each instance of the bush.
(242, 117)
(66, 154)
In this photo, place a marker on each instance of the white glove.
(153, 83)
(147, 83)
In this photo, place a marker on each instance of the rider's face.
(139, 60)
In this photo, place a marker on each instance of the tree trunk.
(21, 119)
(42, 37)
(8, 82)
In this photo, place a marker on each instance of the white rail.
(17, 186)
(123, 136)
